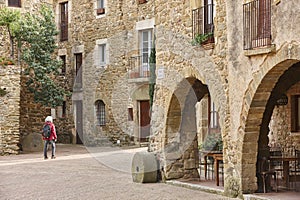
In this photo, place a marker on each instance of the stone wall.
(109, 83)
(9, 109)
(181, 61)
(32, 115)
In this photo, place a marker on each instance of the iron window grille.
(203, 22)
(257, 24)
(100, 112)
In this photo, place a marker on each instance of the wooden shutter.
(64, 21)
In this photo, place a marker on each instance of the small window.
(295, 112)
(63, 67)
(100, 7)
(14, 3)
(213, 116)
(100, 112)
(64, 21)
(130, 114)
(64, 109)
(102, 54)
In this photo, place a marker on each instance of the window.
(208, 16)
(14, 3)
(64, 109)
(295, 112)
(203, 20)
(100, 7)
(64, 21)
(63, 67)
(102, 54)
(145, 50)
(213, 117)
(100, 112)
(130, 114)
(78, 66)
(257, 24)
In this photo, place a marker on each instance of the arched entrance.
(180, 141)
(259, 103)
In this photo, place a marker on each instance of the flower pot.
(100, 11)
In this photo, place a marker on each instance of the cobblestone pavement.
(80, 173)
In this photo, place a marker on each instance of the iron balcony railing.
(203, 22)
(257, 24)
(139, 66)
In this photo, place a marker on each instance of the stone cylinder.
(144, 168)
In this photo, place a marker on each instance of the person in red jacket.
(52, 139)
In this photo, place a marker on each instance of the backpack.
(46, 131)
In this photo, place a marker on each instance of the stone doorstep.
(212, 190)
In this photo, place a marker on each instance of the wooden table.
(217, 156)
(217, 159)
(286, 166)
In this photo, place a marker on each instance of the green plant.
(201, 38)
(10, 19)
(152, 81)
(213, 142)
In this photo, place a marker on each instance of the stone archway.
(256, 110)
(181, 143)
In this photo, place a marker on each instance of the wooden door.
(144, 120)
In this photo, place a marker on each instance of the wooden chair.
(277, 165)
(266, 172)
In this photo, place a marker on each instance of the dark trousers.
(46, 142)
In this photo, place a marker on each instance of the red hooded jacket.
(53, 135)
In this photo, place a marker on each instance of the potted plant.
(204, 38)
(213, 142)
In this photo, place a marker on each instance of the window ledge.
(138, 80)
(260, 50)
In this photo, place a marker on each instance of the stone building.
(107, 44)
(230, 84)
(249, 71)
(241, 82)
(20, 118)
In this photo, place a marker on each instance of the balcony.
(203, 24)
(139, 69)
(257, 24)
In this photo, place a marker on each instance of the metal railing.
(203, 22)
(257, 24)
(139, 67)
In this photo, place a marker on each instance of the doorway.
(79, 128)
(144, 110)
